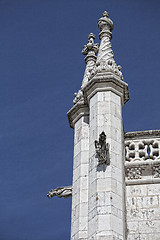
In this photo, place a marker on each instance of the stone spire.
(90, 50)
(98, 188)
(105, 59)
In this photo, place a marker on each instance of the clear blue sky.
(41, 66)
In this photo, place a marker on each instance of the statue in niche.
(60, 192)
(102, 149)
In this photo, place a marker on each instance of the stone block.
(84, 170)
(103, 210)
(83, 209)
(83, 196)
(92, 226)
(153, 189)
(83, 235)
(83, 223)
(104, 222)
(115, 98)
(132, 227)
(84, 183)
(136, 190)
(117, 225)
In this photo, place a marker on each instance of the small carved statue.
(64, 192)
(102, 149)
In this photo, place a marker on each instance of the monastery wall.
(142, 168)
(143, 211)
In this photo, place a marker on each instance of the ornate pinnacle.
(91, 49)
(105, 59)
(105, 14)
(105, 24)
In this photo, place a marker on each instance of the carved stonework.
(60, 192)
(156, 171)
(90, 50)
(142, 153)
(102, 149)
(78, 97)
(134, 173)
(105, 59)
(106, 66)
(142, 150)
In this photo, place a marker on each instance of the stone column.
(79, 224)
(79, 120)
(106, 94)
(106, 182)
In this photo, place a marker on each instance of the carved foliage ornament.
(102, 149)
(134, 173)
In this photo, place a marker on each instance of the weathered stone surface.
(143, 211)
(79, 225)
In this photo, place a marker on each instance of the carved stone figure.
(102, 149)
(60, 192)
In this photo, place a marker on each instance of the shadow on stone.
(101, 167)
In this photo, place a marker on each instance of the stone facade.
(142, 165)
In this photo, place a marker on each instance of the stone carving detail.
(102, 149)
(134, 173)
(142, 150)
(156, 171)
(90, 50)
(105, 60)
(60, 192)
(79, 97)
(142, 153)
(104, 66)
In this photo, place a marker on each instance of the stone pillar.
(79, 224)
(106, 182)
(106, 94)
(98, 211)
(79, 120)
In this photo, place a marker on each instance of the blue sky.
(41, 66)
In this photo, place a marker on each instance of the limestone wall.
(143, 211)
(142, 167)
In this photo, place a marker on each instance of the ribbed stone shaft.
(105, 24)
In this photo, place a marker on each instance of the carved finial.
(91, 48)
(105, 14)
(105, 24)
(105, 59)
(91, 35)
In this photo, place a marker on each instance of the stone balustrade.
(142, 157)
